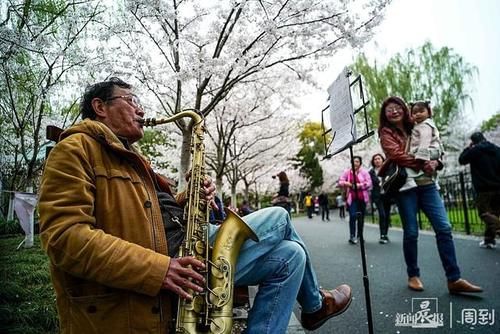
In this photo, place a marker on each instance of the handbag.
(395, 178)
(395, 175)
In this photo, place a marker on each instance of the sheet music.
(341, 113)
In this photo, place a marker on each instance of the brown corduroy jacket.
(101, 226)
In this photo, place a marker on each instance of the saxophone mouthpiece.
(148, 121)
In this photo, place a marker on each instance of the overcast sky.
(470, 27)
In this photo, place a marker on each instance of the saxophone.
(212, 310)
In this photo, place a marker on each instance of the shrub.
(8, 227)
(27, 299)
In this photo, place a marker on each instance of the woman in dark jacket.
(381, 201)
(282, 197)
(394, 131)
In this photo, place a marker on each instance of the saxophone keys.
(199, 247)
(218, 325)
(197, 304)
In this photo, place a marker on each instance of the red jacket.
(393, 142)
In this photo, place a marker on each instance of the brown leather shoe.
(335, 302)
(415, 284)
(463, 286)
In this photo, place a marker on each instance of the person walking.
(484, 159)
(282, 197)
(357, 184)
(323, 206)
(308, 202)
(395, 126)
(381, 201)
(341, 205)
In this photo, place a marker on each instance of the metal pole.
(464, 201)
(360, 226)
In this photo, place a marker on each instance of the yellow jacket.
(308, 200)
(101, 226)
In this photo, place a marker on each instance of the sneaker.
(353, 241)
(488, 245)
(382, 240)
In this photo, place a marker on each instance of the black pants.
(488, 207)
(342, 211)
(324, 210)
(310, 211)
(383, 205)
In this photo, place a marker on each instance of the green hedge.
(27, 299)
(8, 227)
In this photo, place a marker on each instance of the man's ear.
(99, 107)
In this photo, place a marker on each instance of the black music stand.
(366, 134)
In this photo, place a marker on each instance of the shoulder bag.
(395, 176)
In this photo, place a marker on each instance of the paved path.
(337, 262)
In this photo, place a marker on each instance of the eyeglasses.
(131, 99)
(394, 109)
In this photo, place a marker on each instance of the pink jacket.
(363, 180)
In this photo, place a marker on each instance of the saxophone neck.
(197, 118)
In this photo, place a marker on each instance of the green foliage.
(312, 136)
(27, 298)
(151, 144)
(492, 123)
(309, 167)
(10, 227)
(455, 216)
(307, 159)
(440, 76)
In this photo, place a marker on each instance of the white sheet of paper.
(341, 113)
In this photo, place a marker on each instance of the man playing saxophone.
(111, 227)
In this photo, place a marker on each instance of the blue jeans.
(383, 205)
(353, 209)
(426, 198)
(280, 265)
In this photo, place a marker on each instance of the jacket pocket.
(103, 313)
(119, 195)
(123, 173)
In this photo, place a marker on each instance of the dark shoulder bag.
(173, 221)
(395, 178)
(395, 175)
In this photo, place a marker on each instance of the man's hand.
(181, 276)
(209, 192)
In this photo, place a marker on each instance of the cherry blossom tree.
(199, 51)
(40, 52)
(248, 135)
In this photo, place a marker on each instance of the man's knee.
(287, 259)
(296, 252)
(290, 252)
(277, 212)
